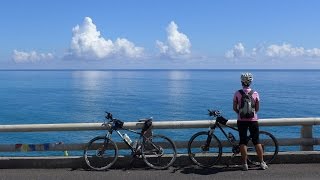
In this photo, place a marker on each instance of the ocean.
(82, 96)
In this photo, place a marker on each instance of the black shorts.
(253, 127)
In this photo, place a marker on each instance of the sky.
(166, 34)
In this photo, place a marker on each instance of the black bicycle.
(205, 148)
(157, 151)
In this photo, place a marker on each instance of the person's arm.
(257, 107)
(235, 105)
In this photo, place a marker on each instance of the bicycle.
(205, 148)
(157, 151)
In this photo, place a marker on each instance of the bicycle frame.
(219, 125)
(102, 152)
(109, 134)
(205, 143)
(235, 146)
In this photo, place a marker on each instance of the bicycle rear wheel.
(269, 146)
(159, 152)
(100, 153)
(202, 155)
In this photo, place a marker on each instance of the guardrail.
(306, 140)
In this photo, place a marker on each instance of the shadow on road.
(207, 171)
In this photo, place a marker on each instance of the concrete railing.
(306, 140)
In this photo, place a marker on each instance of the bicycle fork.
(206, 146)
(101, 150)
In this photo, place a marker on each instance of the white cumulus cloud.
(88, 43)
(274, 51)
(123, 46)
(177, 45)
(286, 50)
(33, 56)
(237, 51)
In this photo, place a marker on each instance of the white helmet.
(246, 78)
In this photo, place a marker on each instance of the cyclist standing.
(246, 105)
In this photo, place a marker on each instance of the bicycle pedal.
(136, 156)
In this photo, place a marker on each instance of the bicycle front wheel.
(100, 153)
(202, 154)
(269, 146)
(159, 152)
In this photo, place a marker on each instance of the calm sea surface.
(33, 97)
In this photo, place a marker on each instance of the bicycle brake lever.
(212, 112)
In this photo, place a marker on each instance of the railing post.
(306, 132)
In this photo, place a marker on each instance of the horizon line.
(164, 69)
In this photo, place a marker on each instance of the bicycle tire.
(100, 156)
(269, 145)
(159, 152)
(204, 157)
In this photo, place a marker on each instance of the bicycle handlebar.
(109, 116)
(214, 113)
(115, 124)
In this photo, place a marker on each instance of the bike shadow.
(207, 171)
(191, 169)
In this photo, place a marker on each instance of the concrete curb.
(75, 162)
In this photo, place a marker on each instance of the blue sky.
(108, 34)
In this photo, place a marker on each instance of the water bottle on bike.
(127, 139)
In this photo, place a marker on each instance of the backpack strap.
(251, 92)
(243, 93)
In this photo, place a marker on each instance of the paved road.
(275, 171)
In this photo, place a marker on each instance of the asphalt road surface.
(275, 171)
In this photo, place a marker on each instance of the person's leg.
(259, 151)
(254, 132)
(243, 128)
(244, 153)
